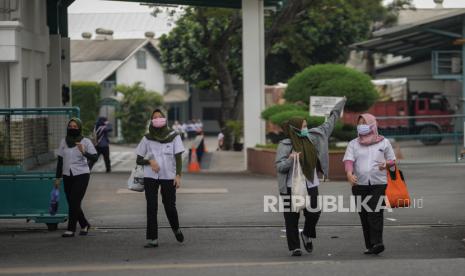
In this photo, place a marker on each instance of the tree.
(383, 18)
(136, 108)
(332, 80)
(204, 48)
(86, 95)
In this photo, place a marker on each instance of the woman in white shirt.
(160, 152)
(366, 160)
(74, 154)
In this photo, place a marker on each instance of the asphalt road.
(228, 233)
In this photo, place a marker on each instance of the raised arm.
(328, 127)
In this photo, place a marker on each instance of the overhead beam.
(444, 33)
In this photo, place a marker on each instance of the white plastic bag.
(136, 180)
(298, 188)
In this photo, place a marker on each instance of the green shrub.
(275, 109)
(237, 129)
(332, 80)
(341, 131)
(136, 108)
(86, 96)
(280, 118)
(267, 146)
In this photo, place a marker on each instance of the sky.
(91, 6)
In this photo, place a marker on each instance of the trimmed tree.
(332, 80)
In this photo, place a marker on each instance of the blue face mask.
(363, 129)
(303, 132)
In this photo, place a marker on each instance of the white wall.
(26, 56)
(153, 77)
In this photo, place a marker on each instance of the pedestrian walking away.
(160, 152)
(74, 154)
(311, 148)
(101, 141)
(366, 160)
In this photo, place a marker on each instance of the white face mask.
(363, 129)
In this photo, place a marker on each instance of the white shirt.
(73, 160)
(164, 154)
(367, 160)
(316, 181)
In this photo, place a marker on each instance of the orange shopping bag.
(396, 192)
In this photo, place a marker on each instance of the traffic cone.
(194, 165)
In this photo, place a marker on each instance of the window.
(421, 104)
(141, 57)
(211, 113)
(38, 96)
(25, 92)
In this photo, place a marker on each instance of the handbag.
(397, 195)
(136, 179)
(54, 199)
(299, 187)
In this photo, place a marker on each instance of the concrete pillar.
(54, 72)
(253, 51)
(463, 80)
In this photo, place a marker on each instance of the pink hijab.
(373, 137)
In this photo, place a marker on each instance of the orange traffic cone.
(194, 165)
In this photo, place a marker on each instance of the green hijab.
(72, 140)
(308, 153)
(162, 135)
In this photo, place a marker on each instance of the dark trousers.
(372, 222)
(105, 151)
(291, 219)
(168, 196)
(75, 189)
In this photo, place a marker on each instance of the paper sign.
(322, 106)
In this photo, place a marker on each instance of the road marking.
(183, 191)
(106, 268)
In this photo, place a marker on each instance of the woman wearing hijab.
(311, 147)
(160, 152)
(74, 153)
(366, 160)
(102, 143)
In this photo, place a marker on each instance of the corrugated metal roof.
(124, 25)
(96, 71)
(440, 19)
(99, 50)
(416, 39)
(209, 3)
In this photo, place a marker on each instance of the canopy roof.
(206, 3)
(420, 38)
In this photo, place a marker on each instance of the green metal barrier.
(27, 196)
(28, 139)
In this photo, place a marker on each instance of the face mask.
(303, 132)
(159, 122)
(73, 132)
(363, 129)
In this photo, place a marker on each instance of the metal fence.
(425, 139)
(30, 136)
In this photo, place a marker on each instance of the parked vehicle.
(420, 112)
